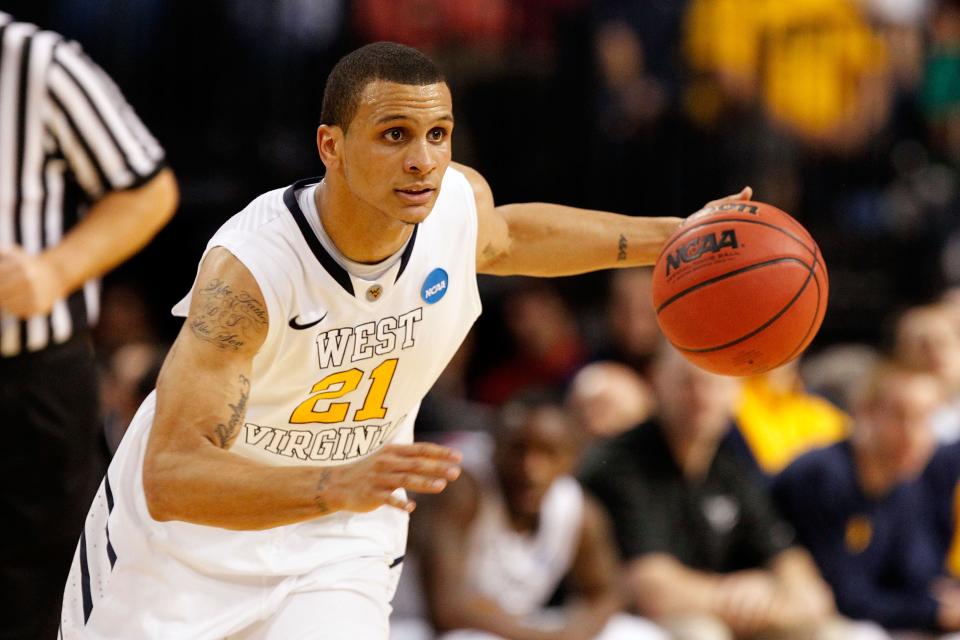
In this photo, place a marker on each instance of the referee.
(83, 185)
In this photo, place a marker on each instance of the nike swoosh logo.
(296, 325)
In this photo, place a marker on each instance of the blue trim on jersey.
(111, 553)
(85, 577)
(327, 261)
(407, 252)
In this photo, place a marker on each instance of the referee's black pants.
(51, 461)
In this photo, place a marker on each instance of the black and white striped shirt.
(67, 138)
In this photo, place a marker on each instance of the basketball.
(740, 288)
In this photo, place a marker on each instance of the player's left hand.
(28, 284)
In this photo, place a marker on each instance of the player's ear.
(330, 145)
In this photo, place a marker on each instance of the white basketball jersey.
(520, 570)
(342, 371)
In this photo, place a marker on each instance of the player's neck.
(358, 231)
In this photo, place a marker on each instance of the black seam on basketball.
(764, 325)
(748, 221)
(813, 320)
(724, 276)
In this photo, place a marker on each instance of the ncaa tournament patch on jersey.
(435, 286)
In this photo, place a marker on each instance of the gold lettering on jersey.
(332, 444)
(364, 341)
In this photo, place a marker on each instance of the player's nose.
(421, 158)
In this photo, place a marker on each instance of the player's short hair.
(387, 61)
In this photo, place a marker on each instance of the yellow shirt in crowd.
(806, 57)
(780, 425)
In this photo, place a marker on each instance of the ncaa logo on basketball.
(435, 286)
(696, 248)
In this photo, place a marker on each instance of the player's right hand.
(370, 483)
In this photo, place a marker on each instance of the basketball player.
(513, 530)
(260, 492)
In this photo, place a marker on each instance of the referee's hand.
(28, 284)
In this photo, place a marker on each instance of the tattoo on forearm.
(321, 487)
(227, 319)
(622, 248)
(227, 433)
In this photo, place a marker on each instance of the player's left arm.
(595, 576)
(543, 239)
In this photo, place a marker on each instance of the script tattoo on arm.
(622, 248)
(322, 506)
(227, 433)
(227, 319)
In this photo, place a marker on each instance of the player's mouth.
(416, 194)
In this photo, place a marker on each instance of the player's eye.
(393, 135)
(437, 134)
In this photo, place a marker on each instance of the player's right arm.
(189, 472)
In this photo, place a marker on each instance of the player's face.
(901, 438)
(397, 148)
(530, 456)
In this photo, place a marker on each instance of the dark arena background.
(844, 113)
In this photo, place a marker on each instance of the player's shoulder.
(469, 178)
(262, 214)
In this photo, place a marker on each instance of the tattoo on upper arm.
(321, 487)
(227, 319)
(622, 248)
(227, 433)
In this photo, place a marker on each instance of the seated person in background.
(706, 557)
(607, 398)
(778, 420)
(857, 508)
(546, 345)
(631, 320)
(941, 481)
(493, 550)
(927, 338)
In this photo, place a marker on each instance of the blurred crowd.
(787, 505)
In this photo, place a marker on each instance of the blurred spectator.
(434, 24)
(706, 555)
(546, 348)
(817, 67)
(640, 130)
(125, 318)
(927, 338)
(941, 88)
(856, 506)
(446, 407)
(607, 398)
(941, 479)
(130, 376)
(508, 538)
(631, 319)
(834, 372)
(779, 420)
